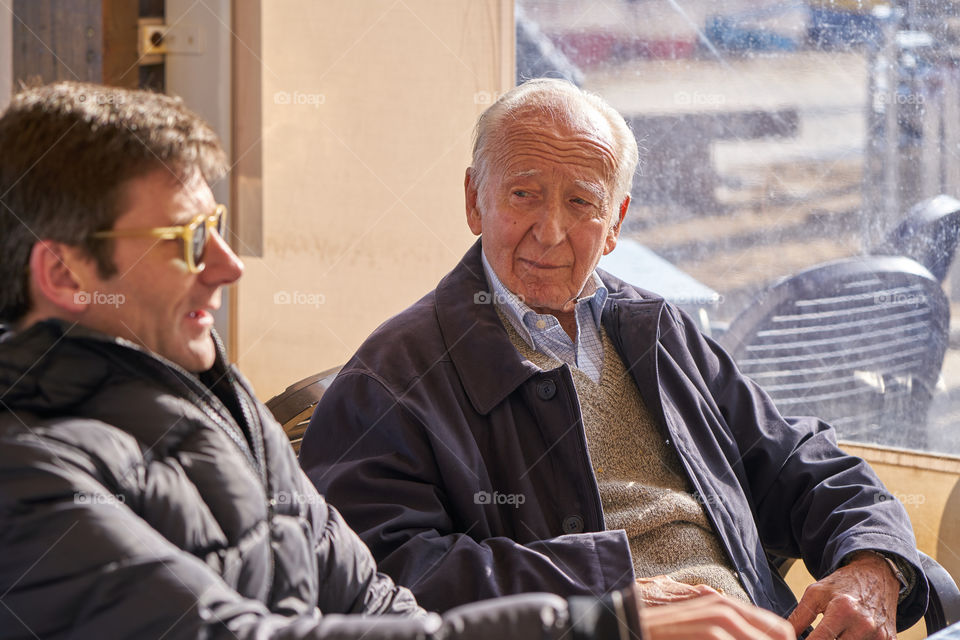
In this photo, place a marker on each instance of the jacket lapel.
(488, 365)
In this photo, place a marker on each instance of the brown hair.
(66, 152)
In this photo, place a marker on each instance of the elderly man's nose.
(549, 229)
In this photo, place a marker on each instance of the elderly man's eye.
(581, 202)
(520, 193)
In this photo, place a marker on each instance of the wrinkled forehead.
(577, 139)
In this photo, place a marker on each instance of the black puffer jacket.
(140, 501)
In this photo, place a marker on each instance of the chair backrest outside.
(294, 407)
(929, 234)
(943, 608)
(857, 342)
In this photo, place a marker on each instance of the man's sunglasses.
(194, 235)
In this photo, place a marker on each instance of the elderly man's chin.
(550, 299)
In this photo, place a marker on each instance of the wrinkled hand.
(660, 590)
(858, 600)
(712, 617)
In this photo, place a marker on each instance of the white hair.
(563, 101)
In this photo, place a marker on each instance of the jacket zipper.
(203, 398)
(252, 418)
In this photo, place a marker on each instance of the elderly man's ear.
(471, 197)
(614, 233)
(57, 279)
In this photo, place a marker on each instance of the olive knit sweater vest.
(643, 488)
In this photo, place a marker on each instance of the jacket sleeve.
(811, 500)
(78, 562)
(370, 454)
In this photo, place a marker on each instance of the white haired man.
(144, 491)
(535, 424)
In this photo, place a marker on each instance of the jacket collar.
(489, 366)
(39, 365)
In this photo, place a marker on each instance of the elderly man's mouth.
(533, 264)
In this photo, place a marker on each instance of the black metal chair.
(929, 234)
(943, 608)
(293, 407)
(857, 342)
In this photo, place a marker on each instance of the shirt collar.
(594, 293)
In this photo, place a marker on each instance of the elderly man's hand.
(712, 617)
(858, 600)
(665, 590)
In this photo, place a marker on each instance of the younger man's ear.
(56, 276)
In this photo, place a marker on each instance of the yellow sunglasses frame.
(183, 232)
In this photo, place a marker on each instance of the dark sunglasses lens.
(222, 225)
(199, 242)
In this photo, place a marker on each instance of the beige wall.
(368, 109)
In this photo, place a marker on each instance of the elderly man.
(144, 491)
(536, 424)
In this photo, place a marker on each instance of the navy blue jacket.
(465, 469)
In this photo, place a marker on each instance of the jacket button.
(573, 524)
(546, 389)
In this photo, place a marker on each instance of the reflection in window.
(776, 137)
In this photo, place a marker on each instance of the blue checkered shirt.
(543, 331)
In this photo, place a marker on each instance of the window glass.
(798, 166)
